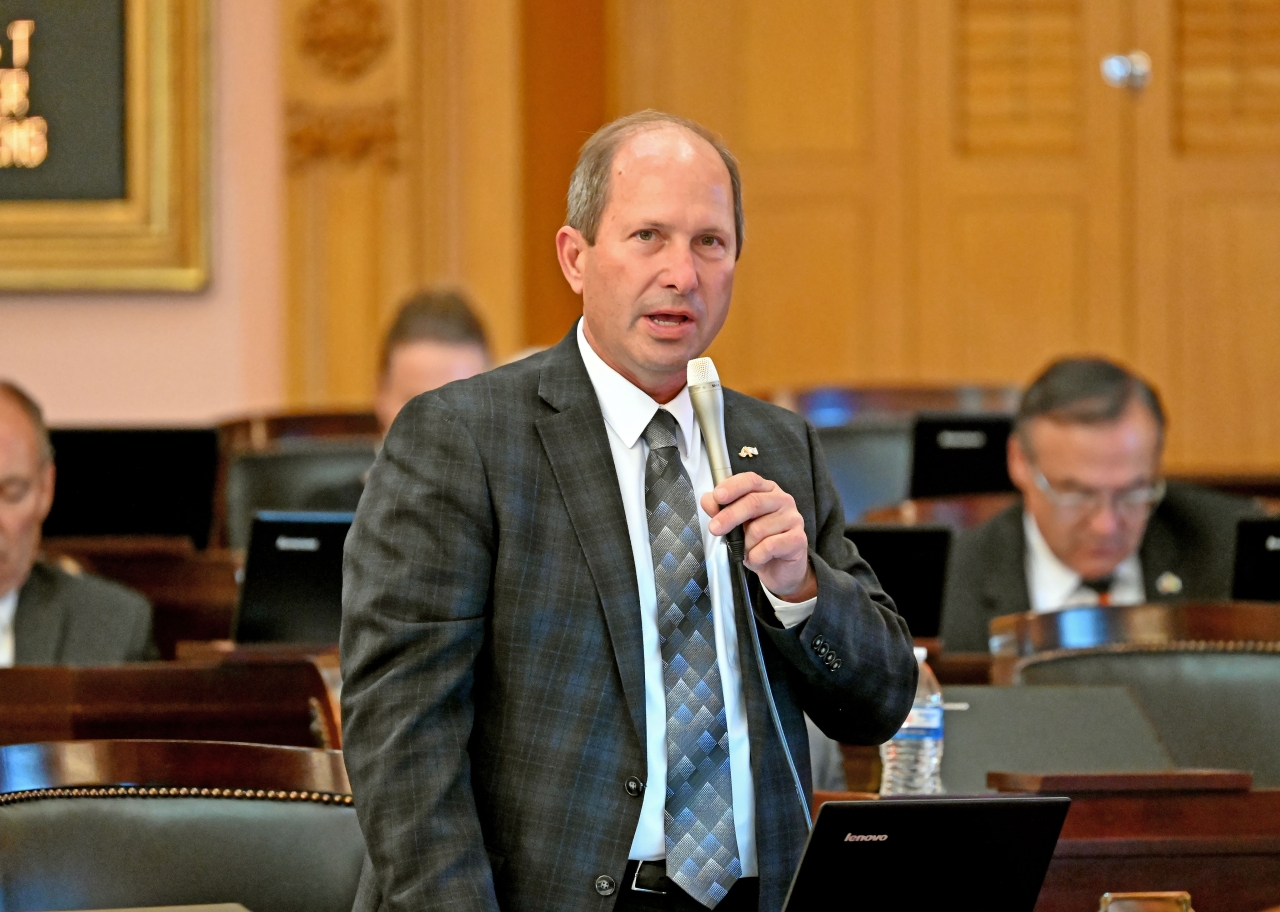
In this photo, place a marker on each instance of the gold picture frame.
(157, 237)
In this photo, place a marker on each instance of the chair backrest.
(869, 461)
(116, 824)
(1158, 624)
(299, 477)
(1213, 704)
(283, 701)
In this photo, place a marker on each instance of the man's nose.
(1105, 521)
(680, 271)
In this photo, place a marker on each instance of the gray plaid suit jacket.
(493, 678)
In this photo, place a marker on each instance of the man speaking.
(549, 700)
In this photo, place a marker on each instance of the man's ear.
(1019, 469)
(571, 249)
(48, 477)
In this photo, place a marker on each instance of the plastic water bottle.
(912, 759)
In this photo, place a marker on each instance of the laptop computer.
(292, 590)
(960, 454)
(911, 564)
(1257, 574)
(926, 854)
(134, 481)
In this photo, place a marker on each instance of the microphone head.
(701, 371)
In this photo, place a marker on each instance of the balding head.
(26, 483)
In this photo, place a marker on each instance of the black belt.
(651, 877)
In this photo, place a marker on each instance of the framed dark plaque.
(103, 175)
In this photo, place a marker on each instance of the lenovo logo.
(866, 837)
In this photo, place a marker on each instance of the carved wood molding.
(352, 134)
(344, 37)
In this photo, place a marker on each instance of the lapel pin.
(1168, 583)
(748, 452)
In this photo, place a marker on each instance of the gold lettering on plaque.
(24, 141)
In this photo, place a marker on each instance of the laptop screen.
(927, 854)
(134, 481)
(911, 564)
(292, 589)
(956, 454)
(1257, 576)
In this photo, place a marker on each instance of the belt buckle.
(635, 877)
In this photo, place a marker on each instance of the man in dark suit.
(49, 616)
(549, 699)
(1096, 524)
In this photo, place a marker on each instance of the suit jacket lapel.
(1004, 588)
(1159, 554)
(577, 446)
(39, 620)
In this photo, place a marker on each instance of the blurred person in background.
(1097, 524)
(47, 615)
(436, 338)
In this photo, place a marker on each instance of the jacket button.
(634, 787)
(818, 641)
(823, 651)
(605, 885)
(835, 666)
(831, 659)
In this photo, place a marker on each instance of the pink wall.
(171, 358)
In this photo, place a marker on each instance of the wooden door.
(1020, 201)
(1207, 219)
(810, 95)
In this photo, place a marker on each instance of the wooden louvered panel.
(1228, 75)
(1019, 76)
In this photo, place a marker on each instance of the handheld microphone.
(708, 407)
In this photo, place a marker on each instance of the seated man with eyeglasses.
(1096, 524)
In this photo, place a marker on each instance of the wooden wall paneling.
(810, 97)
(563, 80)
(404, 172)
(1020, 191)
(1207, 217)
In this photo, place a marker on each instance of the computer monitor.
(292, 590)
(911, 564)
(134, 481)
(955, 454)
(926, 854)
(1257, 574)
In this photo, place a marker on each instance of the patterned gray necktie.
(702, 846)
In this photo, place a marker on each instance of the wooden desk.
(1205, 833)
(272, 702)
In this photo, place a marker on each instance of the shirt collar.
(8, 607)
(1055, 585)
(627, 408)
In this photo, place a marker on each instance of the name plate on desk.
(221, 907)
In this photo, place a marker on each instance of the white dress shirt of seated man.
(1090, 487)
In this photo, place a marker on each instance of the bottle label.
(922, 722)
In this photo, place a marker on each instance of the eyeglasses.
(1131, 503)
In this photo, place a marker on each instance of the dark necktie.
(702, 846)
(1102, 586)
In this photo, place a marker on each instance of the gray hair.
(589, 185)
(1084, 391)
(22, 399)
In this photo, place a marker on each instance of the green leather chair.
(121, 824)
(1213, 704)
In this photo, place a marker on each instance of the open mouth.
(668, 319)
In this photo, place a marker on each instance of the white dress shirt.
(8, 608)
(1053, 585)
(627, 412)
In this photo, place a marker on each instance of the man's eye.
(709, 240)
(12, 492)
(644, 234)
